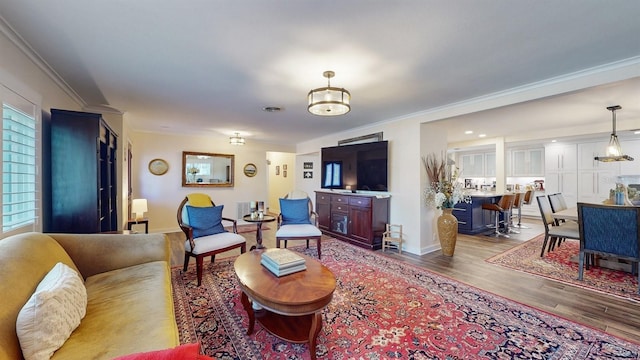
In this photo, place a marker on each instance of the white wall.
(164, 193)
(279, 185)
(22, 76)
(404, 172)
(309, 185)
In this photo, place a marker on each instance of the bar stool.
(516, 204)
(502, 206)
(527, 199)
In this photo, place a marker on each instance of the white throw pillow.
(52, 313)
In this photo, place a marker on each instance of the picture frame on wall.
(284, 167)
(277, 169)
(307, 174)
(307, 165)
(284, 173)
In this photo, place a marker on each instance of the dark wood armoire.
(83, 174)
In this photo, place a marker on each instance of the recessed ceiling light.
(554, 140)
(482, 135)
(637, 132)
(468, 132)
(272, 108)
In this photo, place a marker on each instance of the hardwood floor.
(613, 315)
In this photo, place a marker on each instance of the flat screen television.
(356, 167)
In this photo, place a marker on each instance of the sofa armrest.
(98, 253)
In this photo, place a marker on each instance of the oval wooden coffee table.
(291, 305)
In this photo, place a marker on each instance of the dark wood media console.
(356, 218)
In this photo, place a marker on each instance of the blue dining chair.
(609, 230)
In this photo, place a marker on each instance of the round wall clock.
(158, 167)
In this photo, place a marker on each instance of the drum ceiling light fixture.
(329, 101)
(236, 140)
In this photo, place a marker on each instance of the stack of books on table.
(282, 262)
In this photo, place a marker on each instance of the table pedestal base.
(294, 328)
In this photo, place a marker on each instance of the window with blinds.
(19, 164)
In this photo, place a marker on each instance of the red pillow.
(182, 352)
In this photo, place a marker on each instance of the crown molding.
(102, 109)
(26, 49)
(599, 75)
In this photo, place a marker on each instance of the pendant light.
(614, 151)
(236, 140)
(329, 101)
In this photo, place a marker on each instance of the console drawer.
(339, 199)
(339, 207)
(360, 201)
(323, 198)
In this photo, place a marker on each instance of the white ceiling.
(210, 66)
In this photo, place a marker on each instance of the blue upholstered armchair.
(297, 220)
(611, 231)
(201, 221)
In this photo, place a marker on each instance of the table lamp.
(139, 207)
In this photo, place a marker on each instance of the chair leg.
(580, 265)
(277, 243)
(552, 243)
(318, 242)
(186, 262)
(199, 268)
(307, 243)
(285, 244)
(544, 244)
(213, 258)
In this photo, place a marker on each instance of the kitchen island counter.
(471, 218)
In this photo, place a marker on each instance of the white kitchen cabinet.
(562, 157)
(595, 178)
(587, 153)
(472, 165)
(490, 164)
(527, 162)
(594, 185)
(565, 182)
(631, 148)
(561, 174)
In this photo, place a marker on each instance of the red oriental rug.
(561, 265)
(383, 308)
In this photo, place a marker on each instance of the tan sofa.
(128, 282)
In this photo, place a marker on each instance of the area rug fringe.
(560, 265)
(384, 308)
